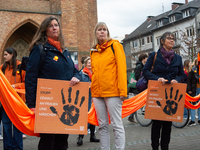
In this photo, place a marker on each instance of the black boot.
(92, 135)
(80, 140)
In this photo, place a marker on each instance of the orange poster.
(165, 102)
(61, 108)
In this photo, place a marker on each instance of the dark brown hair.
(11, 50)
(164, 36)
(142, 56)
(40, 36)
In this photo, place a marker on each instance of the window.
(192, 51)
(176, 38)
(74, 56)
(134, 43)
(160, 23)
(186, 13)
(142, 41)
(172, 19)
(158, 41)
(190, 31)
(149, 39)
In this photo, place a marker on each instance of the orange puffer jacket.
(109, 77)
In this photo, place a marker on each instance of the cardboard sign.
(61, 108)
(165, 102)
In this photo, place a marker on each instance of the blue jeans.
(193, 111)
(12, 138)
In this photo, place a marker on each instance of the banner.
(61, 108)
(165, 102)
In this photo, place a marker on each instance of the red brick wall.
(78, 19)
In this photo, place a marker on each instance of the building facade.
(20, 20)
(183, 20)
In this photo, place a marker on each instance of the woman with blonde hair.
(193, 89)
(86, 76)
(109, 85)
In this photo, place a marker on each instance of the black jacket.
(56, 65)
(138, 70)
(192, 80)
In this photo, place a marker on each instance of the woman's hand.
(33, 110)
(122, 98)
(74, 81)
(162, 80)
(174, 81)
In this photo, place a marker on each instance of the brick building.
(19, 20)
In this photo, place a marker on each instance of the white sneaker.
(24, 136)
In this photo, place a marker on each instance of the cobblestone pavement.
(137, 138)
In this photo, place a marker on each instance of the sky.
(124, 16)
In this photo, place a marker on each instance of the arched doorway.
(21, 38)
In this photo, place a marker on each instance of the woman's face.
(190, 64)
(53, 30)
(168, 44)
(102, 34)
(88, 65)
(7, 56)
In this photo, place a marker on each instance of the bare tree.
(189, 44)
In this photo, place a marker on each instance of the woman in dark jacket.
(193, 88)
(86, 76)
(168, 67)
(138, 69)
(49, 59)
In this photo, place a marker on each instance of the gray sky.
(124, 16)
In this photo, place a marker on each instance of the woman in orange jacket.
(12, 138)
(109, 85)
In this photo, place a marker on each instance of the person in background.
(1, 136)
(138, 69)
(187, 66)
(12, 137)
(109, 85)
(168, 67)
(86, 76)
(193, 89)
(57, 64)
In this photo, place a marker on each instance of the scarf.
(185, 71)
(87, 71)
(167, 55)
(102, 47)
(56, 44)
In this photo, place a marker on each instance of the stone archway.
(21, 47)
(21, 38)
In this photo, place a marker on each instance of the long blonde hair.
(195, 63)
(95, 39)
(40, 36)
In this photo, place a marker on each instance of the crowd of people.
(107, 62)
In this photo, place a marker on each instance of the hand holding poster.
(165, 102)
(61, 108)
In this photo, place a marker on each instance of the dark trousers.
(92, 130)
(165, 128)
(53, 142)
(12, 137)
